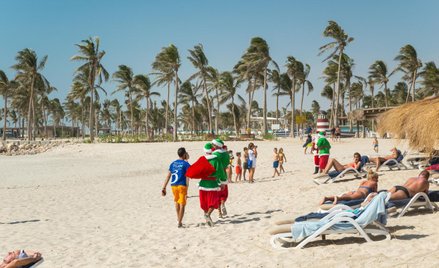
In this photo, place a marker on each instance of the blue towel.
(375, 210)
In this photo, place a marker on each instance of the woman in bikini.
(366, 187)
(20, 258)
(332, 162)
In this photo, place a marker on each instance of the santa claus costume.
(206, 169)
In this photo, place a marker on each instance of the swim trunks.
(180, 193)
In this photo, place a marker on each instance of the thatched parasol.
(416, 121)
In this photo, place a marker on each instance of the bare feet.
(335, 200)
(323, 200)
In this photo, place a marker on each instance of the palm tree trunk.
(337, 90)
(131, 112)
(293, 106)
(265, 103)
(249, 109)
(217, 110)
(206, 94)
(234, 118)
(193, 117)
(147, 118)
(414, 84)
(82, 119)
(91, 116)
(167, 109)
(29, 112)
(5, 97)
(385, 95)
(175, 107)
(301, 104)
(372, 93)
(277, 104)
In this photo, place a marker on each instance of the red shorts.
(316, 160)
(238, 170)
(323, 161)
(209, 199)
(224, 193)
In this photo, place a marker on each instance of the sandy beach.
(99, 205)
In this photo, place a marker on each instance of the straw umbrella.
(418, 122)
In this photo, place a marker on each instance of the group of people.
(369, 188)
(213, 169)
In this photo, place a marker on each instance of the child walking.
(282, 159)
(375, 144)
(275, 162)
(238, 167)
(179, 183)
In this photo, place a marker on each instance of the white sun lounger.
(349, 173)
(366, 223)
(419, 200)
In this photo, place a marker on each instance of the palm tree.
(315, 108)
(257, 58)
(28, 73)
(200, 62)
(166, 65)
(7, 88)
(294, 71)
(57, 114)
(143, 85)
(379, 75)
(304, 81)
(90, 54)
(125, 77)
(409, 64)
(230, 85)
(189, 95)
(399, 93)
(334, 31)
(275, 77)
(215, 85)
(430, 82)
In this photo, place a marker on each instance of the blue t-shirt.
(178, 170)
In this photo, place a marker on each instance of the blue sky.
(133, 32)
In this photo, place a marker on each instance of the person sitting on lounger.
(19, 258)
(411, 187)
(381, 159)
(332, 162)
(366, 187)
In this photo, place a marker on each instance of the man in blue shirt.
(179, 183)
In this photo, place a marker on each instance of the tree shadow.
(400, 227)
(18, 222)
(410, 236)
(247, 217)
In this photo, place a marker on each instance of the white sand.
(100, 206)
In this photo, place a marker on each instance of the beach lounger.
(349, 173)
(370, 220)
(415, 161)
(35, 264)
(419, 200)
(392, 164)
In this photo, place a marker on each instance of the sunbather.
(332, 162)
(411, 187)
(366, 187)
(381, 159)
(19, 258)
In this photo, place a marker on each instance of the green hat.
(322, 133)
(218, 142)
(208, 148)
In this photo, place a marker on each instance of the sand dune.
(99, 205)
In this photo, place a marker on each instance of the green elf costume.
(323, 146)
(207, 168)
(224, 157)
